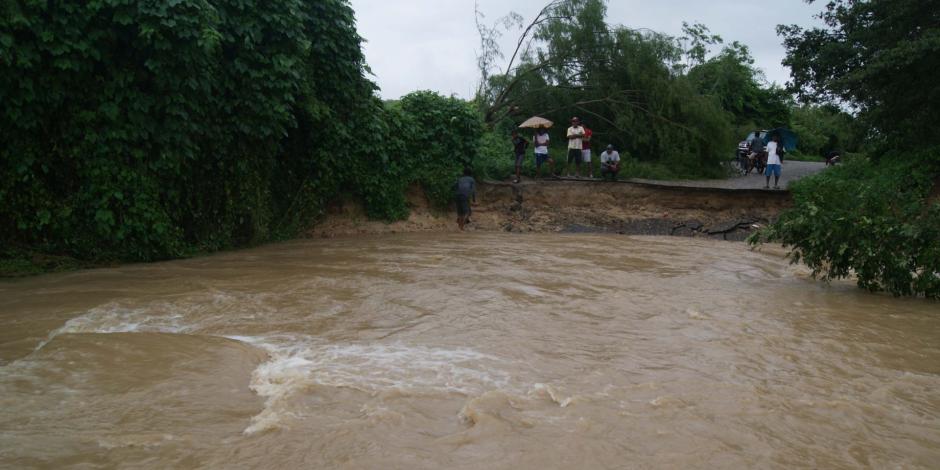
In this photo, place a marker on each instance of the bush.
(495, 157)
(442, 137)
(878, 222)
(148, 130)
(144, 131)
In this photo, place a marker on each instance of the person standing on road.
(519, 144)
(540, 141)
(465, 190)
(610, 163)
(774, 161)
(575, 135)
(586, 151)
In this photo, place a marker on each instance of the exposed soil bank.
(582, 206)
(533, 206)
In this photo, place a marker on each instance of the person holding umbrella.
(540, 141)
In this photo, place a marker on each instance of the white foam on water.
(179, 315)
(117, 319)
(695, 314)
(298, 364)
(549, 392)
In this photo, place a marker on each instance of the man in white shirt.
(575, 134)
(610, 163)
(774, 152)
(540, 141)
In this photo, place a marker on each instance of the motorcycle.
(758, 161)
(741, 161)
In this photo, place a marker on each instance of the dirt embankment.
(569, 206)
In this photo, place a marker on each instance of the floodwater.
(466, 351)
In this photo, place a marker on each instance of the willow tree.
(626, 83)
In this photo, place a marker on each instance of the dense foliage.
(731, 78)
(657, 98)
(148, 130)
(878, 56)
(869, 220)
(822, 129)
(880, 219)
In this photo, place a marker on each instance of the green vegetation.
(145, 131)
(658, 98)
(870, 220)
(879, 218)
(822, 129)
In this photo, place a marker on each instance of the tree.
(731, 78)
(627, 83)
(876, 220)
(878, 56)
(696, 41)
(824, 128)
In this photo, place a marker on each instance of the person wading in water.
(465, 191)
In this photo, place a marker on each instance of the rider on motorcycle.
(758, 155)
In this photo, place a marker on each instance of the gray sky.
(431, 44)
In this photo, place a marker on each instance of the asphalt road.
(791, 171)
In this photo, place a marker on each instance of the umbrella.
(536, 122)
(787, 138)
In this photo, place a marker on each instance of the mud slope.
(581, 206)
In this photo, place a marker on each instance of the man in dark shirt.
(465, 190)
(756, 155)
(519, 145)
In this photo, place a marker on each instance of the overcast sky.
(432, 44)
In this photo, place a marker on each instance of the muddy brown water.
(466, 351)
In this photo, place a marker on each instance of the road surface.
(792, 171)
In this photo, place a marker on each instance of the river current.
(466, 351)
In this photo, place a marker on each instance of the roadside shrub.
(494, 160)
(441, 138)
(878, 222)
